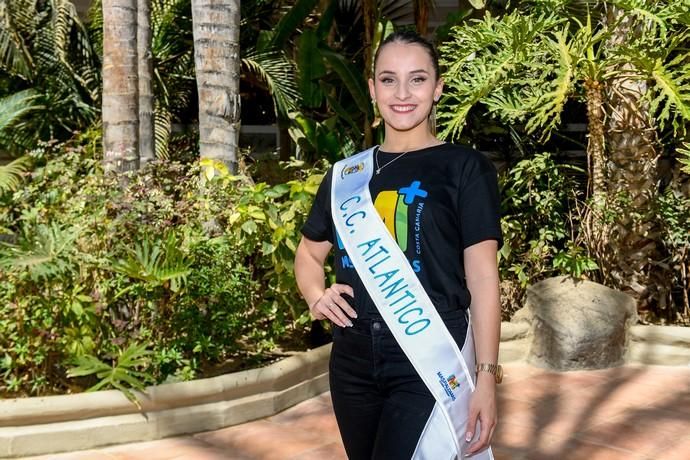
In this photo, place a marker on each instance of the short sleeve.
(479, 209)
(319, 225)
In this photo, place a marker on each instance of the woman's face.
(405, 86)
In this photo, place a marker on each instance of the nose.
(402, 92)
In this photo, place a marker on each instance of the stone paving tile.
(173, 449)
(333, 451)
(324, 398)
(264, 440)
(509, 454)
(515, 437)
(310, 416)
(646, 431)
(548, 385)
(576, 449)
(676, 449)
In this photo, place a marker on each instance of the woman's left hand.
(482, 409)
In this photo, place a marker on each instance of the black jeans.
(380, 402)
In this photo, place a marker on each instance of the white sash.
(407, 310)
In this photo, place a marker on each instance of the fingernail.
(349, 324)
(354, 315)
(468, 437)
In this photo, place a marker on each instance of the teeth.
(404, 108)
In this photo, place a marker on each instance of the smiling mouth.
(403, 108)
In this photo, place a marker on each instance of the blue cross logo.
(413, 191)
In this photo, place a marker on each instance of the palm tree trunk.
(217, 62)
(632, 173)
(369, 17)
(120, 87)
(145, 70)
(421, 15)
(596, 139)
(595, 227)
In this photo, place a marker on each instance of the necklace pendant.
(378, 171)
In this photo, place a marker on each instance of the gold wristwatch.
(495, 369)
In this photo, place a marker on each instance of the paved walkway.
(628, 413)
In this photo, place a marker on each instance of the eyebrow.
(390, 72)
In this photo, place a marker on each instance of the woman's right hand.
(331, 305)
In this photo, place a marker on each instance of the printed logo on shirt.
(394, 207)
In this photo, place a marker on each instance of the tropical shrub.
(541, 211)
(159, 275)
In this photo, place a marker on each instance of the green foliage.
(674, 216)
(525, 65)
(539, 226)
(11, 173)
(44, 251)
(684, 157)
(47, 59)
(674, 211)
(121, 374)
(162, 277)
(157, 263)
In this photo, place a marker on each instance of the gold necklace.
(376, 157)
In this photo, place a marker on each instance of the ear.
(438, 90)
(372, 90)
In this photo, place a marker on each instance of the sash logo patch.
(449, 384)
(347, 170)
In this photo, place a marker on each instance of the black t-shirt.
(435, 202)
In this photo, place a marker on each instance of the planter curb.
(34, 426)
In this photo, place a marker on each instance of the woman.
(440, 203)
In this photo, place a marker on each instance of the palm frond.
(290, 22)
(14, 56)
(11, 173)
(162, 131)
(684, 157)
(277, 72)
(16, 106)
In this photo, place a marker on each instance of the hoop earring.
(432, 120)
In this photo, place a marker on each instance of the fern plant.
(123, 374)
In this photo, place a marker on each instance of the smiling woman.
(405, 86)
(425, 236)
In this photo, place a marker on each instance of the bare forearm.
(486, 317)
(481, 274)
(310, 276)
